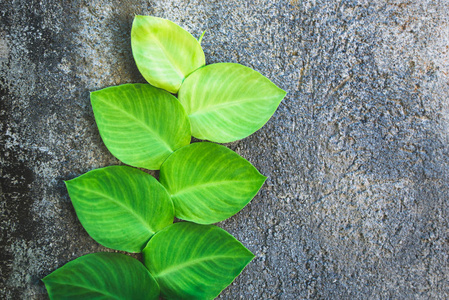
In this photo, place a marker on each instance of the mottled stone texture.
(356, 201)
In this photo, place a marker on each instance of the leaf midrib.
(207, 184)
(123, 206)
(143, 124)
(170, 59)
(190, 263)
(219, 106)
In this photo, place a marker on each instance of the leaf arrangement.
(147, 126)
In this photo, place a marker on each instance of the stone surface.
(357, 156)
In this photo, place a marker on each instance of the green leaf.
(191, 261)
(120, 207)
(208, 182)
(227, 102)
(141, 125)
(102, 276)
(164, 52)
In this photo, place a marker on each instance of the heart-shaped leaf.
(191, 261)
(164, 52)
(120, 207)
(141, 125)
(102, 276)
(227, 102)
(208, 182)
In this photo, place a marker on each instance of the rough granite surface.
(357, 157)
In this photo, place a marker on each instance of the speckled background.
(356, 201)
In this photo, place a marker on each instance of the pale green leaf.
(141, 125)
(227, 102)
(120, 207)
(102, 276)
(208, 182)
(191, 261)
(164, 52)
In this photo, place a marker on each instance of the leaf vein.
(132, 212)
(190, 263)
(208, 184)
(143, 124)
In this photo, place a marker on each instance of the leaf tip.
(281, 94)
(93, 96)
(284, 93)
(138, 17)
(251, 256)
(69, 181)
(70, 184)
(47, 284)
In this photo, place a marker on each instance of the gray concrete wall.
(356, 201)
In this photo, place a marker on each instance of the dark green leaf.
(191, 261)
(102, 276)
(120, 207)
